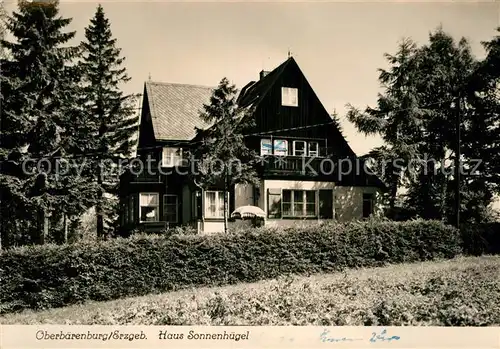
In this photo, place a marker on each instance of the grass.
(461, 292)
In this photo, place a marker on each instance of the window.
(313, 149)
(310, 203)
(289, 97)
(299, 148)
(274, 203)
(299, 203)
(149, 207)
(368, 202)
(266, 147)
(214, 204)
(171, 157)
(280, 147)
(170, 208)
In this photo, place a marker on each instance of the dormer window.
(289, 97)
(171, 157)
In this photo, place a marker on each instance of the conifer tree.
(396, 119)
(221, 156)
(39, 81)
(111, 114)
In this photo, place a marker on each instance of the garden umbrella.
(248, 212)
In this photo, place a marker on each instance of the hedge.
(54, 276)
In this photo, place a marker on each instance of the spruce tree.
(221, 156)
(111, 114)
(39, 81)
(397, 118)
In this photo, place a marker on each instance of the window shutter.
(274, 203)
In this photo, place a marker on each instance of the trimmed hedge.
(54, 276)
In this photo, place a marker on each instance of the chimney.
(262, 74)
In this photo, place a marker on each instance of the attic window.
(289, 97)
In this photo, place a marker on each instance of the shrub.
(482, 238)
(53, 276)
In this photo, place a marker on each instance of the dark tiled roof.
(175, 109)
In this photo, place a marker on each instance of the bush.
(54, 276)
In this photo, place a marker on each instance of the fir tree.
(221, 156)
(111, 114)
(39, 82)
(425, 90)
(397, 118)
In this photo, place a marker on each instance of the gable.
(174, 109)
(308, 119)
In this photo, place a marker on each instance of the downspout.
(202, 206)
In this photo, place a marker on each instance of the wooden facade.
(293, 132)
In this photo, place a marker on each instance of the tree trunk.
(65, 224)
(45, 224)
(98, 206)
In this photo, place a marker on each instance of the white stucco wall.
(348, 201)
(211, 227)
(243, 195)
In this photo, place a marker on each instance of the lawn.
(460, 292)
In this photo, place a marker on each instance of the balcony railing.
(293, 165)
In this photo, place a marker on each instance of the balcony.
(292, 165)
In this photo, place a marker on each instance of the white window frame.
(218, 212)
(312, 153)
(176, 207)
(289, 97)
(295, 148)
(304, 204)
(157, 206)
(263, 151)
(285, 153)
(171, 157)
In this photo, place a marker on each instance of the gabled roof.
(175, 109)
(254, 92)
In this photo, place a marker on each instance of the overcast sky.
(338, 45)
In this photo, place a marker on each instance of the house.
(304, 174)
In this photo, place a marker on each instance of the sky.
(338, 45)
